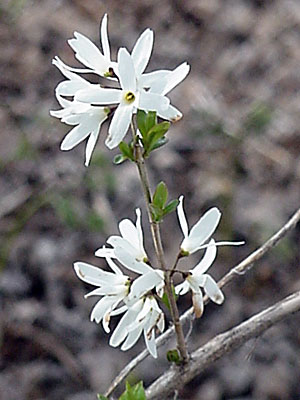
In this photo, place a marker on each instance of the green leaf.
(155, 134)
(135, 392)
(159, 143)
(173, 356)
(171, 206)
(119, 159)
(126, 150)
(101, 397)
(157, 213)
(141, 122)
(160, 196)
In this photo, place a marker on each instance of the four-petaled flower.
(196, 238)
(143, 317)
(131, 239)
(197, 279)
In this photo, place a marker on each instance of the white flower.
(129, 99)
(89, 54)
(131, 239)
(113, 286)
(87, 118)
(197, 279)
(142, 317)
(195, 238)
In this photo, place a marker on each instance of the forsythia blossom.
(195, 238)
(92, 104)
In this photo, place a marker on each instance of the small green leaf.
(173, 356)
(151, 120)
(135, 392)
(159, 143)
(170, 207)
(126, 150)
(157, 213)
(141, 122)
(160, 196)
(155, 134)
(119, 159)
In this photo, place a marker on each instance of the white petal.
(118, 241)
(129, 232)
(130, 262)
(182, 219)
(198, 305)
(119, 125)
(207, 260)
(171, 114)
(114, 290)
(153, 102)
(74, 137)
(182, 288)
(150, 342)
(91, 143)
(69, 88)
(121, 332)
(105, 252)
(145, 283)
(113, 266)
(104, 38)
(102, 307)
(142, 51)
(213, 291)
(202, 230)
(98, 95)
(175, 77)
(132, 338)
(88, 54)
(140, 231)
(126, 70)
(154, 80)
(95, 276)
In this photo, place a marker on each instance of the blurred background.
(236, 148)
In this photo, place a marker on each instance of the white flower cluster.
(86, 106)
(138, 299)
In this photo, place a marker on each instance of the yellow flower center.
(129, 97)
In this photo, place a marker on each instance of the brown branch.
(239, 269)
(222, 344)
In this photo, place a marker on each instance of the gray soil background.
(236, 148)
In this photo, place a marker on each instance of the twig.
(222, 344)
(239, 269)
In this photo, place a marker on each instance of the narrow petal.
(154, 79)
(126, 70)
(213, 291)
(182, 219)
(198, 305)
(142, 50)
(132, 338)
(113, 266)
(175, 77)
(130, 262)
(129, 232)
(98, 95)
(104, 38)
(105, 252)
(171, 114)
(101, 308)
(74, 137)
(145, 283)
(150, 342)
(95, 276)
(202, 230)
(207, 260)
(91, 143)
(153, 102)
(88, 54)
(121, 332)
(182, 288)
(119, 125)
(140, 231)
(118, 241)
(69, 88)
